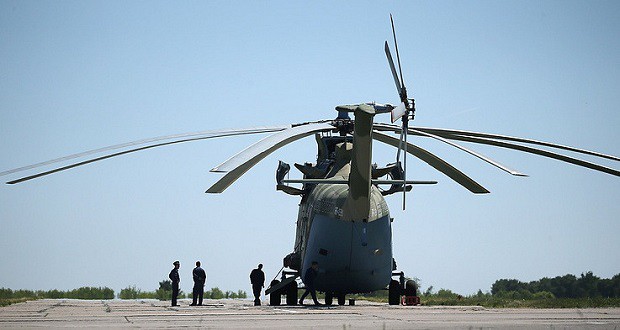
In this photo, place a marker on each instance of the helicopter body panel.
(353, 255)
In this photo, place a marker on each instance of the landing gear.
(275, 296)
(291, 294)
(287, 286)
(394, 293)
(329, 298)
(341, 299)
(411, 288)
(401, 287)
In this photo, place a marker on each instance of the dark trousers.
(256, 289)
(312, 292)
(175, 292)
(198, 293)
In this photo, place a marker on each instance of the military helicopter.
(343, 220)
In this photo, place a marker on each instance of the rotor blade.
(400, 69)
(145, 141)
(435, 162)
(399, 86)
(443, 132)
(240, 163)
(212, 134)
(536, 151)
(471, 152)
(439, 138)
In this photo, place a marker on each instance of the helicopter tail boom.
(357, 205)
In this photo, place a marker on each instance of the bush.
(129, 292)
(91, 293)
(543, 295)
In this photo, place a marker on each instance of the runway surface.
(241, 314)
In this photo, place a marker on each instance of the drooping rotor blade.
(210, 133)
(536, 151)
(205, 135)
(451, 132)
(439, 138)
(471, 152)
(435, 162)
(240, 163)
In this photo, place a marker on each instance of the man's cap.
(176, 262)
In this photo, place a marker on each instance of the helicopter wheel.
(291, 294)
(276, 296)
(341, 300)
(411, 288)
(394, 293)
(329, 298)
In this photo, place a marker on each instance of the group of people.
(200, 277)
(257, 279)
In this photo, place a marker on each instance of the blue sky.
(80, 75)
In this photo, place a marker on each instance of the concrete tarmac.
(241, 314)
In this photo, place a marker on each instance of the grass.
(495, 302)
(10, 301)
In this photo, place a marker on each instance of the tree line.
(80, 293)
(587, 285)
(131, 292)
(165, 292)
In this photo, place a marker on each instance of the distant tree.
(54, 294)
(568, 286)
(564, 286)
(165, 285)
(242, 294)
(165, 291)
(615, 286)
(129, 292)
(507, 285)
(215, 293)
(445, 293)
(6, 293)
(90, 293)
(587, 286)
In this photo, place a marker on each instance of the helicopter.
(343, 220)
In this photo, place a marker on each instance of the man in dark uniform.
(309, 277)
(200, 277)
(257, 278)
(174, 277)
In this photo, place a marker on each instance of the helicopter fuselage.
(353, 256)
(344, 222)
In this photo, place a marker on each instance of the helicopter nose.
(352, 256)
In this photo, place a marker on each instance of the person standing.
(174, 277)
(200, 277)
(257, 278)
(309, 277)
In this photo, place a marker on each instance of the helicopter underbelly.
(353, 256)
